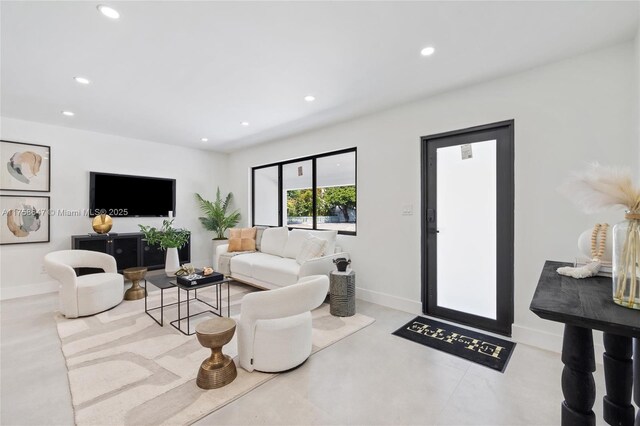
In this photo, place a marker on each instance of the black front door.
(467, 226)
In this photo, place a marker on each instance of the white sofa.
(274, 264)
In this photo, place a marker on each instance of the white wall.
(73, 154)
(637, 74)
(566, 114)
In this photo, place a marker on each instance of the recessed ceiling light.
(82, 80)
(309, 98)
(204, 140)
(68, 113)
(244, 123)
(427, 51)
(109, 12)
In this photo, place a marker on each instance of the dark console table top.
(583, 302)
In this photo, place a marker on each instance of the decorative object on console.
(217, 219)
(598, 244)
(24, 219)
(28, 167)
(169, 239)
(605, 187)
(242, 239)
(626, 259)
(342, 263)
(102, 223)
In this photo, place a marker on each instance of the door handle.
(431, 220)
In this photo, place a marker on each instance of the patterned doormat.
(480, 348)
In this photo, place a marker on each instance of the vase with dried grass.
(605, 187)
(626, 260)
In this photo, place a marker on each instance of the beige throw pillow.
(312, 247)
(242, 239)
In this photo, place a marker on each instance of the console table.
(129, 249)
(585, 305)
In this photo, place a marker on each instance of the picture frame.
(26, 167)
(24, 219)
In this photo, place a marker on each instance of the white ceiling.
(175, 72)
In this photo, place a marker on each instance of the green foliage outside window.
(342, 197)
(300, 201)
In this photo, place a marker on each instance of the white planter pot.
(216, 244)
(172, 262)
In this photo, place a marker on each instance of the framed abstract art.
(24, 219)
(25, 167)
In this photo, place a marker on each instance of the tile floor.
(369, 378)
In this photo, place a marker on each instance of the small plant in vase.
(167, 238)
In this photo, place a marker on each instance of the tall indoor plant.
(169, 239)
(217, 219)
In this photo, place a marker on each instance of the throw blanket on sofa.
(224, 261)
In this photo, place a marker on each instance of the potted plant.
(217, 219)
(169, 239)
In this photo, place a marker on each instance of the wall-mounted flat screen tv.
(126, 195)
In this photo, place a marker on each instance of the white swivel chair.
(274, 330)
(87, 294)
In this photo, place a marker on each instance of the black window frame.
(313, 159)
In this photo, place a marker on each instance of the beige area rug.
(124, 369)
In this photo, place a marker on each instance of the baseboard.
(26, 290)
(538, 338)
(394, 302)
(551, 341)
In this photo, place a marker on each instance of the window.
(265, 184)
(317, 192)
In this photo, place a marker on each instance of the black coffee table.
(216, 309)
(163, 282)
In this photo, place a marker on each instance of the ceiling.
(175, 72)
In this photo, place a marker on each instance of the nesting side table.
(342, 293)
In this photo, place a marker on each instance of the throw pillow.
(259, 231)
(312, 247)
(242, 239)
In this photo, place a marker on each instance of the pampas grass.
(601, 188)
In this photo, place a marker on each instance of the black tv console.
(129, 250)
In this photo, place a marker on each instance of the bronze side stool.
(135, 275)
(219, 369)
